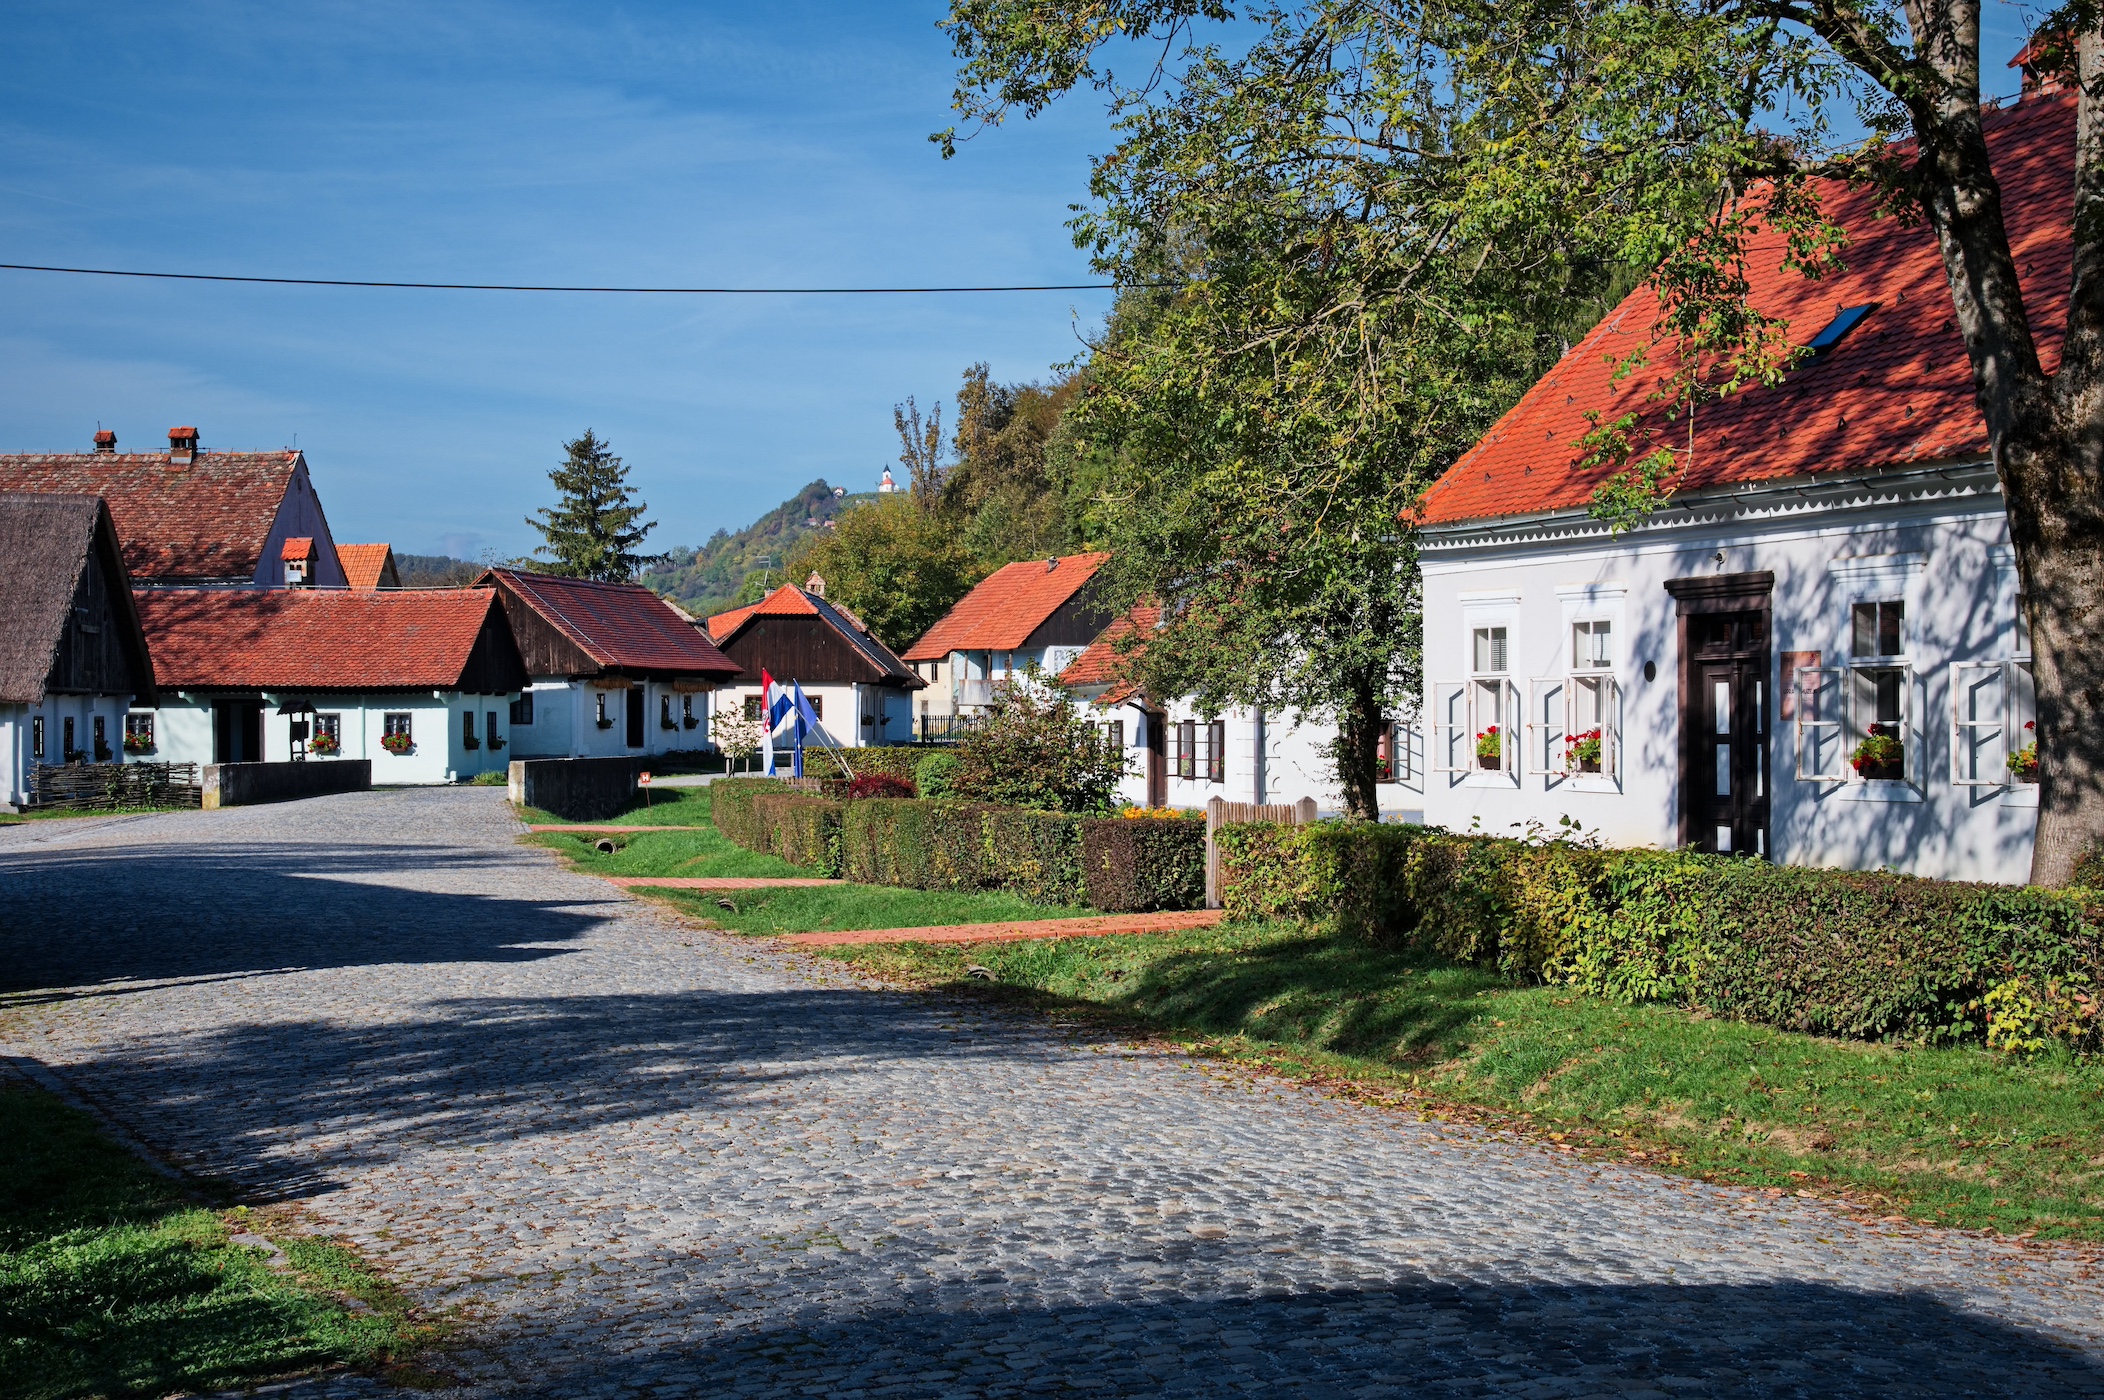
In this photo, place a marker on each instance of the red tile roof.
(1105, 664)
(1002, 612)
(368, 566)
(297, 547)
(620, 626)
(791, 601)
(209, 520)
(308, 639)
(1896, 392)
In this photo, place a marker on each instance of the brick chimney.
(105, 441)
(182, 446)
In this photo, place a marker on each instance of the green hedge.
(802, 829)
(1870, 955)
(730, 807)
(1134, 866)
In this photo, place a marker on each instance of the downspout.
(1256, 767)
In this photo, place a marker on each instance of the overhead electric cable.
(513, 287)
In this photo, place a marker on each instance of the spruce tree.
(593, 532)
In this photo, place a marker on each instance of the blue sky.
(628, 144)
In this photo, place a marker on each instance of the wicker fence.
(95, 786)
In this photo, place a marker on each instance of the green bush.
(802, 829)
(935, 773)
(888, 841)
(730, 806)
(1037, 749)
(1139, 865)
(1862, 954)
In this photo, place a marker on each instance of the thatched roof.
(46, 540)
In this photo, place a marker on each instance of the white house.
(1814, 651)
(72, 656)
(615, 670)
(419, 681)
(1035, 613)
(1179, 757)
(862, 691)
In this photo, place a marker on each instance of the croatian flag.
(774, 704)
(806, 720)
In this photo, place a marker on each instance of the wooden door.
(1157, 761)
(635, 716)
(1725, 733)
(237, 731)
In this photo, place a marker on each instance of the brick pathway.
(1016, 931)
(659, 1162)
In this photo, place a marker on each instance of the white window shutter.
(1821, 701)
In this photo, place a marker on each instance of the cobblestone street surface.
(653, 1161)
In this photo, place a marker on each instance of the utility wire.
(509, 287)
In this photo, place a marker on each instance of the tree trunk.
(1359, 721)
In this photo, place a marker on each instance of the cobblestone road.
(659, 1162)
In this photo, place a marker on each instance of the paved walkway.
(655, 1161)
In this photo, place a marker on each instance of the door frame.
(1719, 593)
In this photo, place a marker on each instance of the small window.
(489, 730)
(467, 730)
(665, 720)
(138, 733)
(1216, 751)
(1490, 654)
(1878, 630)
(1183, 739)
(1391, 754)
(752, 707)
(36, 737)
(1114, 735)
(394, 726)
(72, 749)
(522, 710)
(818, 705)
(2023, 624)
(599, 715)
(1592, 646)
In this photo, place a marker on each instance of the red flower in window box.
(324, 744)
(1490, 748)
(2023, 764)
(397, 743)
(1582, 752)
(1880, 754)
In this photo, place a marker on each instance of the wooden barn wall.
(544, 650)
(800, 649)
(92, 655)
(495, 666)
(1078, 621)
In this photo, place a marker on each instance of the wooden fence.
(98, 786)
(1220, 812)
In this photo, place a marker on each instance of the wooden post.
(1215, 816)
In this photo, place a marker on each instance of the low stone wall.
(246, 784)
(575, 789)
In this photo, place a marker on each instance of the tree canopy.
(593, 529)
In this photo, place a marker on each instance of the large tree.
(1546, 135)
(894, 564)
(592, 530)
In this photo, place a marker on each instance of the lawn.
(1954, 1136)
(672, 806)
(114, 1282)
(705, 852)
(52, 814)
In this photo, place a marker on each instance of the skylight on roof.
(1845, 320)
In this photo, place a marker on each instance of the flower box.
(2023, 764)
(1879, 755)
(1582, 752)
(399, 745)
(1490, 749)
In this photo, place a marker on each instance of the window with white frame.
(1592, 720)
(1855, 720)
(1994, 716)
(1490, 667)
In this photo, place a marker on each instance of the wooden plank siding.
(805, 649)
(93, 657)
(1075, 623)
(544, 648)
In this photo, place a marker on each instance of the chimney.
(1052, 564)
(182, 446)
(105, 441)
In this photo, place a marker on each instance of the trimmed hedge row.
(1861, 954)
(1114, 864)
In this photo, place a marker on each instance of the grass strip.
(680, 806)
(114, 1282)
(1954, 1136)
(835, 908)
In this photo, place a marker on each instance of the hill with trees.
(730, 569)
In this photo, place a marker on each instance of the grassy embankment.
(114, 1282)
(53, 814)
(707, 853)
(1959, 1136)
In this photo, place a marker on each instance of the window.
(1488, 684)
(599, 715)
(102, 740)
(71, 749)
(522, 710)
(1114, 736)
(36, 737)
(686, 711)
(2023, 624)
(1592, 646)
(1392, 754)
(328, 733)
(1591, 719)
(665, 719)
(1216, 751)
(138, 733)
(467, 730)
(818, 705)
(1183, 749)
(489, 730)
(394, 726)
(752, 707)
(1878, 690)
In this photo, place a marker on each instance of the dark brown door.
(1157, 761)
(635, 717)
(237, 731)
(1725, 718)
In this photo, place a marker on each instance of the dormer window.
(298, 555)
(182, 446)
(1845, 320)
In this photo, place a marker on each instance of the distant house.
(189, 517)
(614, 669)
(1178, 757)
(1039, 612)
(862, 690)
(419, 681)
(369, 566)
(1815, 650)
(72, 656)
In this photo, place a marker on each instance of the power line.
(510, 287)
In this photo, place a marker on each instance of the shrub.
(1038, 750)
(1864, 954)
(1137, 865)
(878, 785)
(935, 773)
(801, 829)
(730, 806)
(887, 841)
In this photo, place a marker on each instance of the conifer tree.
(592, 532)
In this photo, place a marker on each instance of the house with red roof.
(418, 681)
(861, 689)
(1812, 651)
(188, 517)
(1036, 612)
(615, 670)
